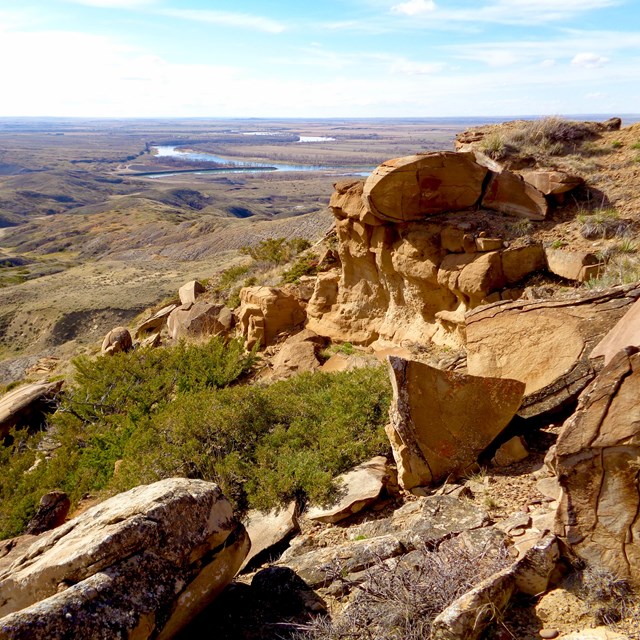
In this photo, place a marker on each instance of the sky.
(353, 58)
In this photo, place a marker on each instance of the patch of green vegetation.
(306, 265)
(558, 244)
(346, 348)
(616, 144)
(177, 412)
(635, 145)
(276, 250)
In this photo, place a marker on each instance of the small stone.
(549, 633)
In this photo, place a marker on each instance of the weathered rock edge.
(597, 461)
(441, 421)
(546, 344)
(141, 564)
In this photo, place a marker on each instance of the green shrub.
(276, 250)
(303, 266)
(177, 415)
(616, 144)
(266, 445)
(108, 401)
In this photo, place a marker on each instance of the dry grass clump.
(401, 599)
(609, 598)
(551, 136)
(603, 223)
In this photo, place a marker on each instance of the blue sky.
(354, 58)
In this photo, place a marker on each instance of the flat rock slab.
(156, 322)
(266, 530)
(414, 187)
(544, 343)
(358, 488)
(440, 421)
(431, 519)
(320, 567)
(596, 462)
(140, 564)
(19, 405)
(625, 334)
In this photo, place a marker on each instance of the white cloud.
(589, 60)
(227, 18)
(411, 68)
(557, 51)
(547, 63)
(414, 7)
(115, 4)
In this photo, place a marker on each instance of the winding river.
(237, 166)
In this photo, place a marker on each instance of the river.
(238, 166)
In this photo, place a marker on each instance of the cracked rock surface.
(140, 564)
(597, 462)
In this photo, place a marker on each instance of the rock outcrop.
(267, 312)
(414, 187)
(200, 320)
(441, 420)
(138, 565)
(26, 405)
(414, 256)
(597, 462)
(545, 344)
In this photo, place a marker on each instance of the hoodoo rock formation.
(413, 252)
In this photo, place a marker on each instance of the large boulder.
(116, 341)
(441, 420)
(138, 565)
(596, 461)
(199, 320)
(189, 292)
(299, 353)
(414, 187)
(26, 405)
(573, 265)
(267, 312)
(544, 343)
(508, 193)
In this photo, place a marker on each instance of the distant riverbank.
(222, 164)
